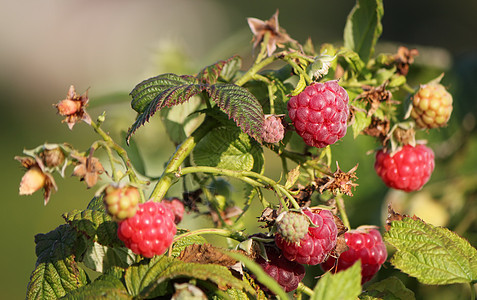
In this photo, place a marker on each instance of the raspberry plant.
(297, 100)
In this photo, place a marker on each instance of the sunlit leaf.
(344, 285)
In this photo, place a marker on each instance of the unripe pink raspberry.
(408, 169)
(431, 106)
(364, 244)
(287, 273)
(151, 231)
(317, 244)
(176, 206)
(121, 202)
(273, 130)
(320, 113)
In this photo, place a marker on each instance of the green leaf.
(104, 287)
(165, 90)
(363, 27)
(241, 106)
(182, 243)
(94, 224)
(101, 258)
(54, 277)
(390, 288)
(97, 203)
(229, 148)
(56, 244)
(361, 120)
(434, 255)
(352, 58)
(210, 74)
(180, 121)
(146, 91)
(150, 279)
(231, 68)
(343, 285)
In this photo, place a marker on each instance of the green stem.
(298, 69)
(342, 210)
(111, 144)
(263, 48)
(472, 290)
(408, 88)
(304, 289)
(167, 178)
(254, 70)
(218, 231)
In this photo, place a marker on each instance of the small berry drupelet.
(150, 231)
(176, 206)
(318, 242)
(408, 169)
(431, 106)
(365, 245)
(273, 129)
(121, 202)
(320, 113)
(287, 273)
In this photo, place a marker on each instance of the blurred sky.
(110, 46)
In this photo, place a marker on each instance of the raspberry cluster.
(287, 273)
(273, 130)
(318, 242)
(176, 206)
(431, 106)
(320, 113)
(365, 245)
(121, 202)
(150, 231)
(408, 169)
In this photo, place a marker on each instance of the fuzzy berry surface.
(287, 273)
(176, 206)
(318, 242)
(121, 202)
(320, 113)
(150, 231)
(273, 129)
(408, 169)
(431, 106)
(365, 245)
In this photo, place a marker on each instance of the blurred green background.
(109, 46)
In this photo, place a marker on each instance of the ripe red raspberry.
(320, 113)
(408, 169)
(431, 106)
(121, 202)
(176, 206)
(292, 226)
(150, 231)
(365, 245)
(273, 130)
(317, 244)
(287, 273)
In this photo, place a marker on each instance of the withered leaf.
(207, 254)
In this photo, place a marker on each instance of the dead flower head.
(404, 58)
(36, 178)
(339, 181)
(73, 108)
(88, 169)
(277, 36)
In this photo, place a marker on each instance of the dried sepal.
(339, 181)
(88, 169)
(374, 96)
(278, 36)
(404, 58)
(36, 178)
(73, 107)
